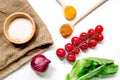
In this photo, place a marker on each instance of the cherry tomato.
(98, 28)
(69, 47)
(76, 41)
(76, 50)
(71, 57)
(60, 53)
(91, 32)
(83, 36)
(98, 37)
(92, 43)
(84, 46)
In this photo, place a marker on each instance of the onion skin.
(40, 63)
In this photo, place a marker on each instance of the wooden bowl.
(13, 17)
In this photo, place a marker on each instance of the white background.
(50, 12)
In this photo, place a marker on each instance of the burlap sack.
(14, 56)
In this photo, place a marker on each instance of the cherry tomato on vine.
(69, 47)
(60, 53)
(83, 36)
(98, 37)
(76, 41)
(92, 43)
(76, 50)
(98, 28)
(84, 46)
(91, 32)
(71, 57)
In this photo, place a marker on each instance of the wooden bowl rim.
(12, 17)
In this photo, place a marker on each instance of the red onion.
(40, 63)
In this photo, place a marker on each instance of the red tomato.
(76, 50)
(92, 43)
(83, 36)
(71, 57)
(91, 32)
(76, 41)
(99, 29)
(60, 53)
(84, 46)
(98, 37)
(69, 47)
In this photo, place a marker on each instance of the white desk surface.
(50, 12)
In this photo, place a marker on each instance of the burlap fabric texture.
(14, 56)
